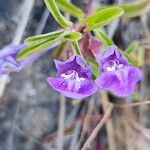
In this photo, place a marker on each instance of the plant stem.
(61, 121)
(98, 127)
(76, 49)
(109, 125)
(133, 104)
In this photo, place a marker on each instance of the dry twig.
(98, 127)
(109, 125)
(61, 121)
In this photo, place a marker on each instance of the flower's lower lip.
(73, 89)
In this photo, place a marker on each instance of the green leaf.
(70, 8)
(35, 48)
(102, 17)
(51, 35)
(75, 102)
(135, 96)
(95, 69)
(133, 46)
(131, 9)
(51, 5)
(140, 56)
(131, 60)
(73, 36)
(136, 8)
(103, 37)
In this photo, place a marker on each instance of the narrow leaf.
(131, 9)
(73, 36)
(51, 5)
(35, 48)
(70, 8)
(132, 47)
(103, 17)
(131, 60)
(103, 37)
(135, 96)
(43, 36)
(140, 56)
(136, 8)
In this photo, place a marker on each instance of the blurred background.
(31, 113)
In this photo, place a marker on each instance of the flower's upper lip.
(111, 54)
(112, 50)
(74, 63)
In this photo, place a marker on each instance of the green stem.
(76, 49)
(103, 37)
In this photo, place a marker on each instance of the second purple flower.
(117, 74)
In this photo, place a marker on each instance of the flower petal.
(73, 88)
(9, 62)
(67, 65)
(110, 51)
(113, 53)
(110, 54)
(74, 63)
(10, 50)
(120, 82)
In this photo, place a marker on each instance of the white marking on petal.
(112, 65)
(113, 68)
(73, 75)
(120, 66)
(74, 81)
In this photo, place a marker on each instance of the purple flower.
(8, 61)
(117, 74)
(73, 79)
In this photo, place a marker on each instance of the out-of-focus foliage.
(136, 8)
(132, 47)
(70, 8)
(131, 9)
